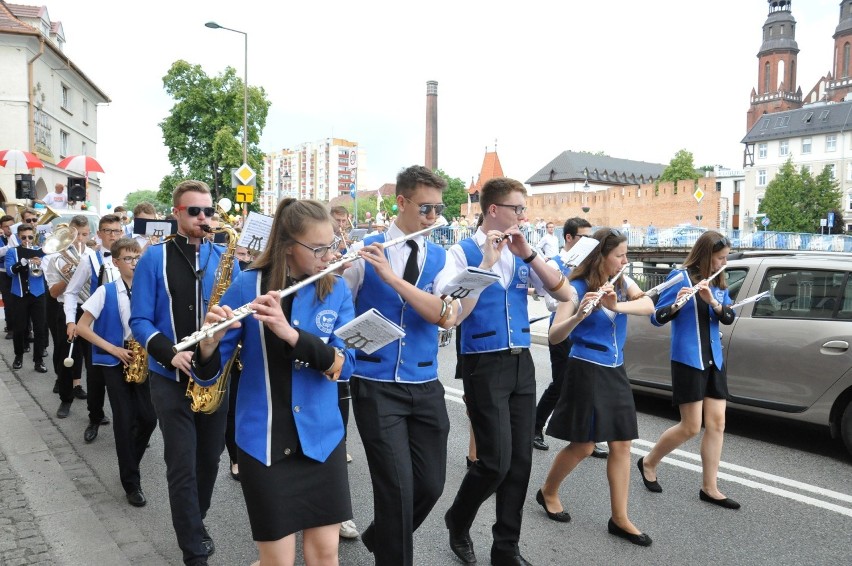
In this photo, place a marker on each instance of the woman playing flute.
(596, 403)
(699, 380)
(289, 431)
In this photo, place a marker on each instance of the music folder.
(154, 227)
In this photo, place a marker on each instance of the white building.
(48, 106)
(730, 183)
(815, 136)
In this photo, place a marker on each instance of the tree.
(795, 201)
(204, 129)
(454, 195)
(134, 198)
(681, 167)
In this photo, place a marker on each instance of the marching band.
(214, 341)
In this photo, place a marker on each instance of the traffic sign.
(830, 218)
(765, 221)
(244, 175)
(351, 186)
(698, 194)
(245, 193)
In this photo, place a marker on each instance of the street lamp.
(214, 25)
(586, 188)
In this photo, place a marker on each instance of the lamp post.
(214, 25)
(586, 188)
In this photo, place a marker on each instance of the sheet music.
(151, 227)
(752, 299)
(44, 228)
(581, 250)
(255, 233)
(469, 283)
(664, 285)
(369, 332)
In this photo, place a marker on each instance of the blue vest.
(93, 276)
(566, 271)
(598, 338)
(36, 284)
(109, 327)
(413, 359)
(500, 319)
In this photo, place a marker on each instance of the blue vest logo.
(325, 320)
(524, 274)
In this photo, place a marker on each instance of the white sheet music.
(44, 228)
(255, 233)
(469, 283)
(664, 285)
(581, 250)
(752, 299)
(161, 229)
(369, 332)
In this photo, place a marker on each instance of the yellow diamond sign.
(698, 194)
(245, 174)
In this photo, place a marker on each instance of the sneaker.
(79, 392)
(18, 363)
(348, 530)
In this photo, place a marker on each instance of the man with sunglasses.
(26, 303)
(398, 399)
(497, 369)
(172, 286)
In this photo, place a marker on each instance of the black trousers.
(404, 428)
(81, 354)
(547, 402)
(133, 421)
(52, 307)
(5, 292)
(192, 446)
(25, 310)
(230, 426)
(500, 391)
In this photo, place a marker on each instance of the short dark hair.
(409, 178)
(108, 219)
(573, 224)
(25, 227)
(6, 218)
(144, 208)
(79, 221)
(118, 209)
(495, 191)
(339, 210)
(129, 244)
(189, 186)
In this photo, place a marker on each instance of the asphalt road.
(795, 485)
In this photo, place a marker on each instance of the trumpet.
(693, 290)
(242, 312)
(595, 302)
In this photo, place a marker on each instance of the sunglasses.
(31, 220)
(615, 232)
(128, 259)
(321, 251)
(425, 209)
(26, 237)
(518, 208)
(208, 211)
(721, 244)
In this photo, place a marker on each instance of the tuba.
(208, 399)
(137, 370)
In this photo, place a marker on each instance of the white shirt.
(549, 245)
(56, 200)
(95, 304)
(80, 280)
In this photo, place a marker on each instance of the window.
(845, 72)
(84, 149)
(85, 114)
(764, 124)
(784, 148)
(849, 203)
(849, 171)
(63, 143)
(806, 168)
(803, 293)
(761, 178)
(761, 150)
(831, 142)
(766, 73)
(66, 98)
(806, 145)
(832, 169)
(823, 116)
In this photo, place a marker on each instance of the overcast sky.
(637, 80)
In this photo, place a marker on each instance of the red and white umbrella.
(81, 164)
(19, 159)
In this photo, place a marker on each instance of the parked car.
(679, 236)
(786, 355)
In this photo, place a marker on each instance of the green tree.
(204, 128)
(681, 167)
(454, 195)
(795, 201)
(134, 198)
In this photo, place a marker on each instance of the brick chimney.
(431, 160)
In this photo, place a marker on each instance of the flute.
(693, 290)
(240, 313)
(594, 302)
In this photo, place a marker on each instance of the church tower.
(776, 74)
(841, 84)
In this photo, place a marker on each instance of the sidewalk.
(53, 508)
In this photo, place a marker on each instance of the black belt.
(515, 351)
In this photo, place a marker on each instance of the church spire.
(840, 84)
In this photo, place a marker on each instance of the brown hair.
(591, 269)
(79, 221)
(409, 178)
(698, 261)
(189, 186)
(129, 244)
(144, 208)
(108, 219)
(292, 218)
(495, 191)
(338, 210)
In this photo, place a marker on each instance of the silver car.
(787, 354)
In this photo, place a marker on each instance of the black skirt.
(595, 405)
(691, 384)
(295, 493)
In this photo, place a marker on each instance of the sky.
(636, 80)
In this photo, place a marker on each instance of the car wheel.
(846, 427)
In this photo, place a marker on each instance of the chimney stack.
(431, 125)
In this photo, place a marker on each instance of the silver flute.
(693, 290)
(240, 313)
(594, 302)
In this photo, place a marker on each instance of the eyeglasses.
(128, 259)
(427, 208)
(114, 231)
(31, 220)
(518, 208)
(209, 211)
(26, 237)
(321, 251)
(721, 244)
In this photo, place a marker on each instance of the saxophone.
(137, 370)
(208, 399)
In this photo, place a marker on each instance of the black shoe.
(104, 420)
(18, 363)
(27, 349)
(538, 442)
(639, 540)
(650, 485)
(9, 335)
(56, 386)
(207, 541)
(727, 503)
(136, 498)
(44, 354)
(560, 516)
(235, 475)
(460, 543)
(469, 462)
(30, 337)
(63, 410)
(367, 538)
(91, 432)
(40, 367)
(598, 452)
(508, 560)
(79, 392)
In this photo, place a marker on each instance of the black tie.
(412, 270)
(101, 274)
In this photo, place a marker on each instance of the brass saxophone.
(137, 370)
(208, 399)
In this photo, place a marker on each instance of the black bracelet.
(531, 257)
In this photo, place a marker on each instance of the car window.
(735, 278)
(846, 303)
(803, 293)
